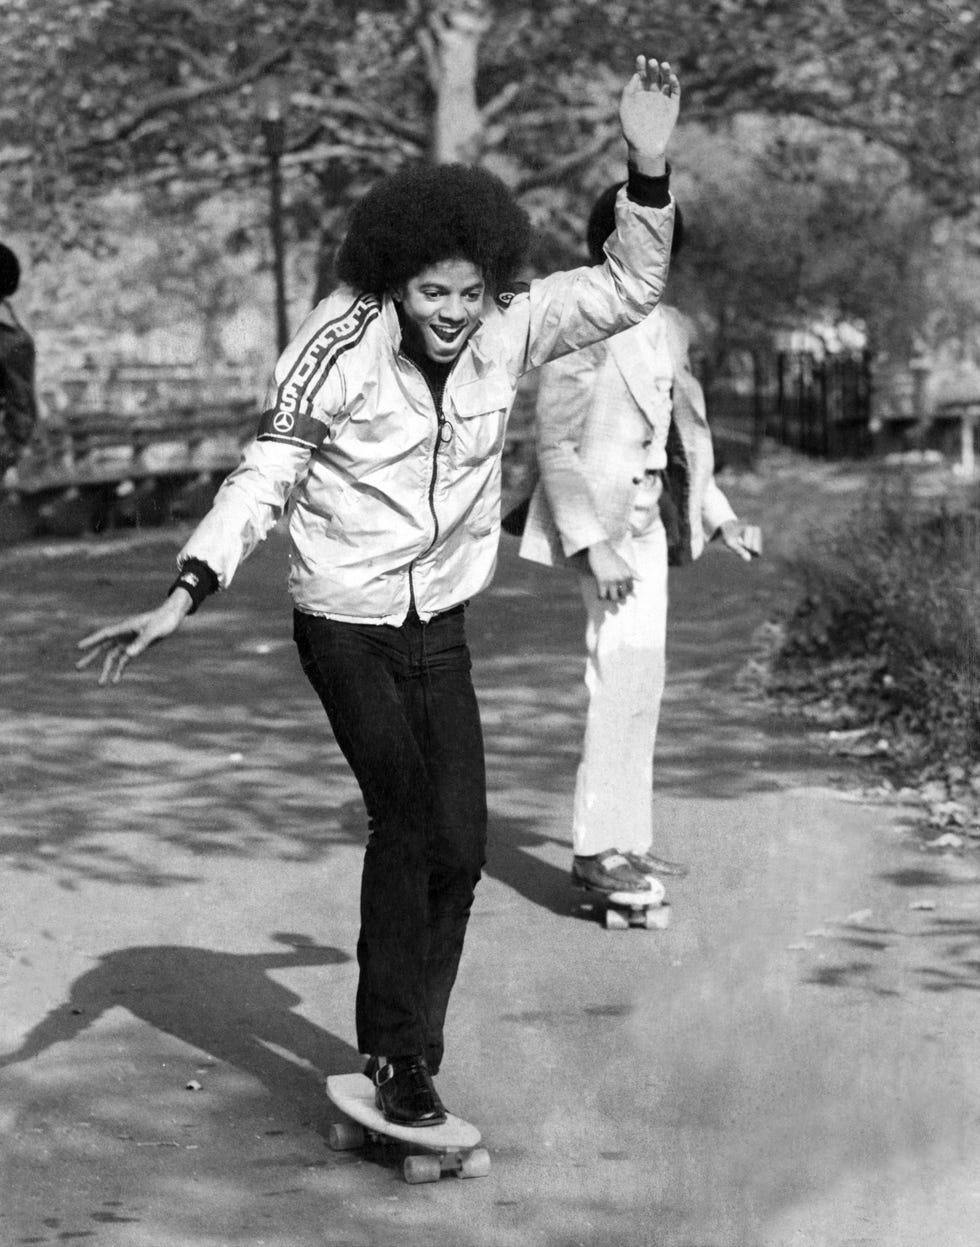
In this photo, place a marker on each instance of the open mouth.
(447, 334)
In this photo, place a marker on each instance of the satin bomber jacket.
(390, 500)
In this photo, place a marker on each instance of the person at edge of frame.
(382, 439)
(626, 486)
(18, 401)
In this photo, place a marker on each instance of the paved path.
(792, 1064)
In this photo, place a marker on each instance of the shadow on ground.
(215, 745)
(223, 1004)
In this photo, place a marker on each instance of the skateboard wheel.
(616, 920)
(476, 1164)
(344, 1136)
(657, 918)
(421, 1169)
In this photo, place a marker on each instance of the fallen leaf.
(859, 918)
(943, 813)
(946, 841)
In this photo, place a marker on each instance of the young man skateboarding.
(622, 445)
(382, 440)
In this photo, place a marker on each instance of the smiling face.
(444, 302)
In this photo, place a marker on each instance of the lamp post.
(272, 96)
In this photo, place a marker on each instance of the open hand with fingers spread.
(118, 644)
(648, 112)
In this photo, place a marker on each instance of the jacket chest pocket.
(478, 415)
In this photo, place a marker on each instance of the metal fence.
(822, 406)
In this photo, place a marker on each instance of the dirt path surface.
(792, 1064)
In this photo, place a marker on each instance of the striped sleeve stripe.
(288, 421)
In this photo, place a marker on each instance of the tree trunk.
(449, 36)
(450, 41)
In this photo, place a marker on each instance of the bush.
(888, 629)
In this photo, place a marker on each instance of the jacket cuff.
(197, 579)
(715, 510)
(582, 539)
(648, 192)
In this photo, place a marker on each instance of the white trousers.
(624, 673)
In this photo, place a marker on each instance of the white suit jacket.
(592, 434)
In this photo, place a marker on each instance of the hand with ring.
(612, 574)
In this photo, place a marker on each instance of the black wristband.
(197, 579)
(649, 192)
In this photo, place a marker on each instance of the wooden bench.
(99, 447)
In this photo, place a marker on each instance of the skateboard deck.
(618, 911)
(449, 1148)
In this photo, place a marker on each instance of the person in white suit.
(626, 486)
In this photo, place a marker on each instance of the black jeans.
(401, 704)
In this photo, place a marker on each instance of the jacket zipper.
(440, 425)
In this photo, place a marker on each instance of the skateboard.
(449, 1148)
(618, 911)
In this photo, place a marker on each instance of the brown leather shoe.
(405, 1094)
(611, 871)
(650, 864)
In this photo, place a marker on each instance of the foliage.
(161, 98)
(165, 89)
(165, 290)
(888, 628)
(789, 222)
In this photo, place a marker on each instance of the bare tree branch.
(180, 97)
(342, 108)
(499, 102)
(559, 169)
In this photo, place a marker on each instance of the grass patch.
(887, 630)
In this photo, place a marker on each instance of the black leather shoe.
(405, 1094)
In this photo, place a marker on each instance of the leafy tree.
(163, 89)
(160, 96)
(790, 225)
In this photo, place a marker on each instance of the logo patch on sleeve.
(296, 428)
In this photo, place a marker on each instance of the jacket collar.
(477, 349)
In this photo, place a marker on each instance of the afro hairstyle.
(425, 214)
(602, 222)
(9, 272)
